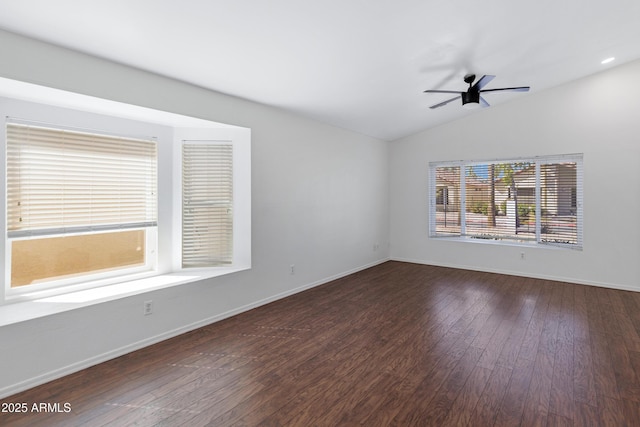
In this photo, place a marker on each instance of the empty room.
(286, 213)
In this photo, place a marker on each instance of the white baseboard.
(92, 361)
(519, 273)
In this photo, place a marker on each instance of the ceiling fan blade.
(510, 89)
(483, 102)
(442, 91)
(484, 80)
(444, 102)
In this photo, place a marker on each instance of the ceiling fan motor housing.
(470, 97)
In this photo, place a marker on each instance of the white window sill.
(506, 242)
(22, 311)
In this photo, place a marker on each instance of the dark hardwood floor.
(398, 344)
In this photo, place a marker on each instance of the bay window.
(124, 198)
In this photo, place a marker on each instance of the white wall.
(598, 116)
(319, 201)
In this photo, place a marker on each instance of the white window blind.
(207, 203)
(560, 195)
(64, 181)
(445, 206)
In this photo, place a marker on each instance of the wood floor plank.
(611, 412)
(531, 340)
(631, 412)
(468, 397)
(554, 420)
(583, 368)
(536, 407)
(512, 349)
(486, 410)
(584, 388)
(626, 378)
(634, 359)
(586, 415)
(512, 405)
(632, 309)
(561, 399)
(603, 373)
(627, 330)
(443, 396)
(396, 344)
(503, 334)
(538, 400)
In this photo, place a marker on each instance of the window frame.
(51, 142)
(240, 139)
(537, 162)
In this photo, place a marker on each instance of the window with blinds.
(524, 200)
(78, 203)
(560, 199)
(207, 204)
(445, 206)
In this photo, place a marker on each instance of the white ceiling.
(358, 64)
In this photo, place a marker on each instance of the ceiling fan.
(471, 98)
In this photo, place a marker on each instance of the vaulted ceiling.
(358, 64)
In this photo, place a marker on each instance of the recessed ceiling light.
(606, 61)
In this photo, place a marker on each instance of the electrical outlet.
(292, 269)
(148, 307)
(521, 255)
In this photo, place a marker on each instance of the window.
(536, 200)
(80, 205)
(447, 203)
(207, 204)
